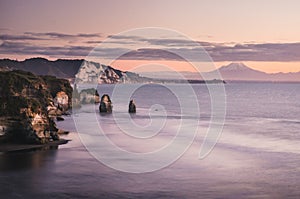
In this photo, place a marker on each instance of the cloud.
(257, 52)
(93, 42)
(62, 35)
(48, 36)
(166, 42)
(6, 37)
(124, 37)
(193, 50)
(30, 43)
(151, 54)
(281, 52)
(23, 48)
(89, 35)
(170, 42)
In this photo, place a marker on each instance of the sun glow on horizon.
(164, 65)
(181, 66)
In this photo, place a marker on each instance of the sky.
(264, 34)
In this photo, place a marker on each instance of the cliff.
(25, 99)
(92, 72)
(84, 71)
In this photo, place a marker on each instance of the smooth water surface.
(257, 155)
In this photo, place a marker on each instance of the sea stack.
(131, 107)
(105, 104)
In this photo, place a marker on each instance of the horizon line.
(184, 71)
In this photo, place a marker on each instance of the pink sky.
(269, 26)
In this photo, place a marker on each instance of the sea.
(237, 140)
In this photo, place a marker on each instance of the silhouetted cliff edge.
(29, 105)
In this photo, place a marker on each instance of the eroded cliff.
(25, 101)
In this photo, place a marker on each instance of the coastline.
(12, 147)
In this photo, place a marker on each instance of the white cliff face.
(108, 76)
(91, 72)
(88, 72)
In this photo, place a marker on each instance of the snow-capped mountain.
(239, 71)
(235, 67)
(232, 71)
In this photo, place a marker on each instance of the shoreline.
(11, 147)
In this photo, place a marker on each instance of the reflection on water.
(257, 156)
(22, 173)
(228, 172)
(27, 159)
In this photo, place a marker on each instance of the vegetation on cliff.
(24, 98)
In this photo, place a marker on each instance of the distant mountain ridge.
(230, 72)
(61, 68)
(241, 72)
(78, 69)
(92, 72)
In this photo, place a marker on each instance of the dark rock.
(132, 107)
(105, 104)
(60, 118)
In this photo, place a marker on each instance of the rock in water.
(89, 96)
(132, 107)
(97, 97)
(105, 104)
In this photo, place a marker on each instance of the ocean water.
(155, 153)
